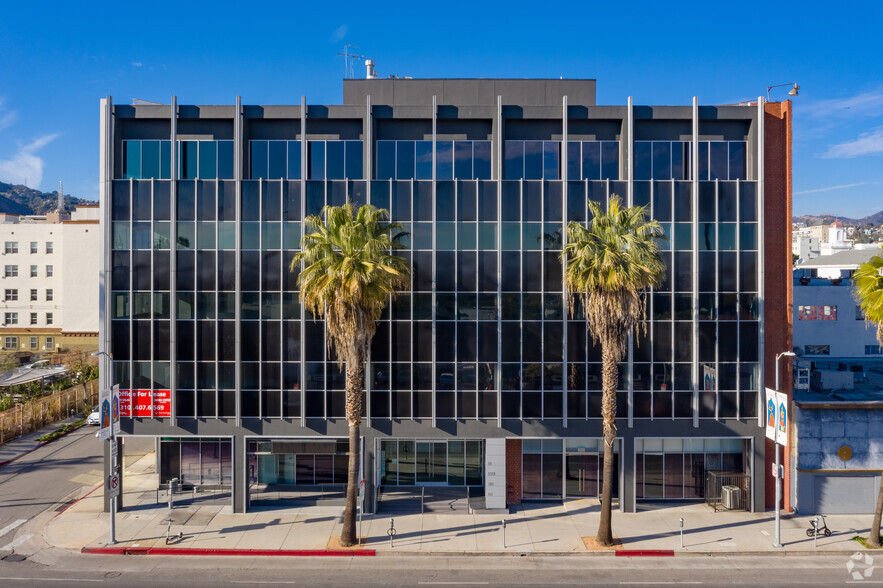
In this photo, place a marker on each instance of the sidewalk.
(532, 528)
(12, 450)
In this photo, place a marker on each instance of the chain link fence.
(31, 416)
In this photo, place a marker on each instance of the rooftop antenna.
(349, 59)
(60, 197)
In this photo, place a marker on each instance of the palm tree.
(349, 275)
(868, 283)
(607, 268)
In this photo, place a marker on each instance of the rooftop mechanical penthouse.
(479, 380)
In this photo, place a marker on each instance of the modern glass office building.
(479, 377)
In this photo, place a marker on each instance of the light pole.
(778, 542)
(113, 450)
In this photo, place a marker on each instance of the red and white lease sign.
(145, 403)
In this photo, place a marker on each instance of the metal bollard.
(504, 533)
(815, 535)
(682, 532)
(392, 531)
(173, 487)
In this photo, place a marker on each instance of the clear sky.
(57, 59)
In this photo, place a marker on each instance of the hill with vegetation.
(18, 199)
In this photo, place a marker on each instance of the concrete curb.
(227, 552)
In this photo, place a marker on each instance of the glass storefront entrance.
(552, 469)
(198, 462)
(674, 469)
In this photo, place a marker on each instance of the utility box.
(832, 380)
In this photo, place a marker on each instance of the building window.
(33, 294)
(454, 160)
(334, 160)
(49, 247)
(10, 343)
(49, 271)
(48, 294)
(35, 343)
(817, 350)
(873, 350)
(50, 343)
(11, 294)
(11, 247)
(859, 313)
(817, 313)
(592, 160)
(48, 318)
(33, 247)
(532, 160)
(205, 160)
(10, 271)
(11, 318)
(33, 318)
(278, 159)
(147, 159)
(33, 271)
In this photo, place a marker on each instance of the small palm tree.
(348, 277)
(608, 267)
(868, 284)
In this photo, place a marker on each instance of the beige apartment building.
(49, 277)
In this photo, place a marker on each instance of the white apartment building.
(49, 281)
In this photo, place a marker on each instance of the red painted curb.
(222, 552)
(644, 553)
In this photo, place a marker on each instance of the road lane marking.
(12, 526)
(16, 543)
(50, 579)
(453, 583)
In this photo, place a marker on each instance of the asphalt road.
(49, 478)
(138, 571)
(46, 478)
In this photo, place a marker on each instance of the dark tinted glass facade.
(203, 315)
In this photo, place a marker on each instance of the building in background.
(50, 286)
(479, 379)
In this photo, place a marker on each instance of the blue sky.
(59, 59)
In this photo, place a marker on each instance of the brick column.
(778, 280)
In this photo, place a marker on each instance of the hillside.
(18, 199)
(825, 219)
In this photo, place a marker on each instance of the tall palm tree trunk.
(354, 378)
(609, 377)
(874, 539)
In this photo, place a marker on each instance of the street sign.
(113, 485)
(777, 416)
(774, 470)
(105, 414)
(114, 454)
(115, 409)
(784, 411)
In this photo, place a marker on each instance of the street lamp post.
(778, 542)
(113, 452)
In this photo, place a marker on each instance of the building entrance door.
(431, 462)
(582, 475)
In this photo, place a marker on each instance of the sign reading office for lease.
(777, 416)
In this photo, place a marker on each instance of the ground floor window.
(552, 469)
(675, 468)
(414, 462)
(197, 461)
(302, 462)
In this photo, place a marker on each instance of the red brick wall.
(777, 271)
(513, 471)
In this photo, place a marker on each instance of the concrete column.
(240, 475)
(627, 501)
(495, 473)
